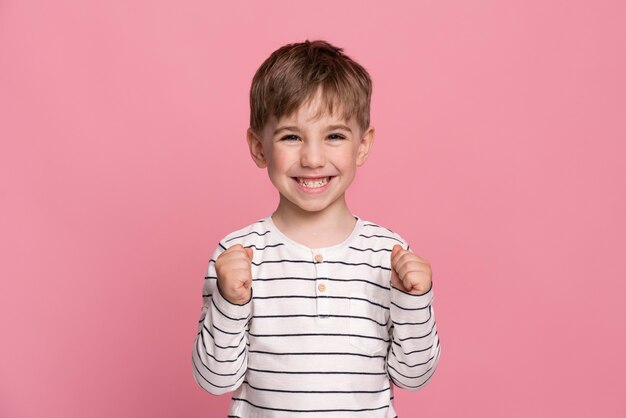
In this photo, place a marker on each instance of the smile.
(313, 183)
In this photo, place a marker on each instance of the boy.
(312, 311)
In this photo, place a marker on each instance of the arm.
(415, 350)
(220, 349)
(415, 347)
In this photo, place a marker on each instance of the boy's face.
(311, 159)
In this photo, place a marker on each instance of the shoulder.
(247, 236)
(373, 233)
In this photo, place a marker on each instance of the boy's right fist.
(234, 274)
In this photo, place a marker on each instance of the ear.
(256, 148)
(367, 139)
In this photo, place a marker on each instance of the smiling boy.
(313, 311)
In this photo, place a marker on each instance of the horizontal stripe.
(280, 261)
(315, 297)
(417, 337)
(226, 346)
(406, 376)
(409, 309)
(414, 351)
(317, 316)
(315, 372)
(243, 318)
(308, 410)
(430, 315)
(269, 279)
(378, 226)
(380, 236)
(267, 246)
(315, 354)
(412, 365)
(320, 334)
(241, 353)
(245, 382)
(226, 332)
(313, 279)
(357, 280)
(371, 249)
(247, 235)
(357, 264)
(437, 348)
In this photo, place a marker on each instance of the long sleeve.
(220, 348)
(415, 347)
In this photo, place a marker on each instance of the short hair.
(295, 73)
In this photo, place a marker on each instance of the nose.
(312, 155)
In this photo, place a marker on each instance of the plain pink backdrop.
(500, 157)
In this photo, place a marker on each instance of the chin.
(316, 207)
(312, 209)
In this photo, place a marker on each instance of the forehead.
(318, 108)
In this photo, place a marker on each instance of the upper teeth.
(313, 182)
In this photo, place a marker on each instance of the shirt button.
(318, 258)
(321, 287)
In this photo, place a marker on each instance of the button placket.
(321, 284)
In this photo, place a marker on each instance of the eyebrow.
(286, 128)
(340, 126)
(296, 129)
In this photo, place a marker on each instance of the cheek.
(279, 162)
(347, 160)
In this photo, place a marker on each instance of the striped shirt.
(324, 334)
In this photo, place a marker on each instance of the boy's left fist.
(410, 272)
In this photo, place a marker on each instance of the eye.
(336, 137)
(290, 138)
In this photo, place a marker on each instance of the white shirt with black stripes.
(324, 335)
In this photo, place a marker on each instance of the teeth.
(313, 183)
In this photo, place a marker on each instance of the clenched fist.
(234, 274)
(410, 272)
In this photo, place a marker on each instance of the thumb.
(249, 252)
(395, 250)
(395, 279)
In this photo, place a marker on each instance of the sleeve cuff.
(230, 315)
(407, 300)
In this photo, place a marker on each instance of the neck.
(323, 228)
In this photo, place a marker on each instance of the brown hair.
(294, 73)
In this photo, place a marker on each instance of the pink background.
(500, 157)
